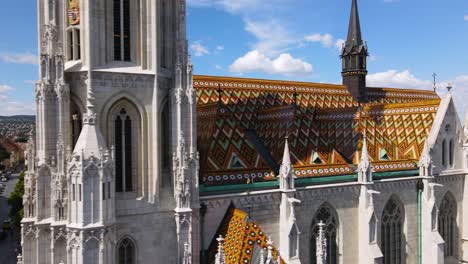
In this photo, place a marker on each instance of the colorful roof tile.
(242, 124)
(243, 238)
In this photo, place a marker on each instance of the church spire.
(354, 56)
(354, 31)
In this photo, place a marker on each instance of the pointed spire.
(425, 162)
(364, 167)
(220, 257)
(262, 257)
(365, 153)
(354, 58)
(286, 155)
(269, 259)
(286, 175)
(354, 31)
(321, 245)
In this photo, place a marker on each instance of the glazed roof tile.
(242, 124)
(243, 237)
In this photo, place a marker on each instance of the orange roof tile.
(242, 124)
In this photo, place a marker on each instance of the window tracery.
(126, 252)
(392, 232)
(325, 214)
(447, 224)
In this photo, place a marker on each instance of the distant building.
(15, 149)
(137, 161)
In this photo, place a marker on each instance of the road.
(7, 246)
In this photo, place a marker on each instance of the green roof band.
(301, 182)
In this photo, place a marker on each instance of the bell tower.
(113, 170)
(354, 58)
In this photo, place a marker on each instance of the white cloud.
(198, 49)
(405, 79)
(393, 78)
(326, 39)
(284, 64)
(19, 58)
(220, 47)
(465, 18)
(339, 44)
(218, 67)
(5, 88)
(272, 37)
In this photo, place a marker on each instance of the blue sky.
(282, 39)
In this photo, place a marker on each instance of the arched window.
(126, 252)
(123, 132)
(122, 30)
(448, 225)
(451, 153)
(444, 153)
(392, 232)
(123, 152)
(327, 215)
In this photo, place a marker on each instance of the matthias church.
(135, 160)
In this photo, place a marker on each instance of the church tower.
(354, 56)
(113, 170)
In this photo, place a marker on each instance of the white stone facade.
(76, 211)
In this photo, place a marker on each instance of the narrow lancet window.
(392, 233)
(123, 152)
(122, 43)
(447, 225)
(126, 251)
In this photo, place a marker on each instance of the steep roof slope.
(242, 124)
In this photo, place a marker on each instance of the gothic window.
(123, 152)
(74, 47)
(444, 153)
(327, 215)
(392, 232)
(73, 30)
(122, 30)
(126, 252)
(447, 225)
(451, 153)
(163, 42)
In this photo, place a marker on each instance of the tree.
(4, 154)
(16, 202)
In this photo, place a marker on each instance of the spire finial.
(220, 258)
(286, 155)
(449, 87)
(364, 153)
(286, 175)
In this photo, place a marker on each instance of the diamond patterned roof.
(242, 124)
(241, 237)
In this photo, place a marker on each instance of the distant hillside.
(18, 117)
